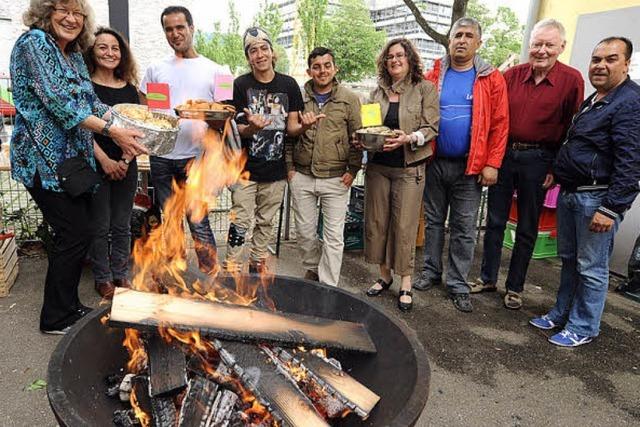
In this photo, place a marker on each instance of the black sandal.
(374, 292)
(405, 306)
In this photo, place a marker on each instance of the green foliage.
(502, 33)
(354, 39)
(37, 385)
(314, 24)
(224, 47)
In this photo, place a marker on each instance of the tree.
(459, 10)
(354, 40)
(502, 32)
(313, 22)
(224, 47)
(269, 19)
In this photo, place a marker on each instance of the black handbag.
(77, 177)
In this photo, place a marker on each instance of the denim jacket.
(603, 148)
(53, 94)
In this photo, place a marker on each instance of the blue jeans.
(448, 189)
(584, 279)
(524, 171)
(163, 172)
(111, 208)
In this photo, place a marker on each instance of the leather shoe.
(462, 302)
(311, 275)
(405, 306)
(105, 289)
(122, 283)
(374, 291)
(83, 310)
(423, 282)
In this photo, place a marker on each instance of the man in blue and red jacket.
(474, 123)
(598, 169)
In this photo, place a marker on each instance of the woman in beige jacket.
(395, 176)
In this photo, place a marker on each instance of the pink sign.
(223, 87)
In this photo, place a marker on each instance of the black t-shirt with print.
(275, 100)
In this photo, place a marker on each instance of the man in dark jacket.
(598, 168)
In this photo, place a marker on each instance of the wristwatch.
(125, 160)
(105, 129)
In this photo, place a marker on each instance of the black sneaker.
(60, 331)
(83, 310)
(423, 282)
(462, 302)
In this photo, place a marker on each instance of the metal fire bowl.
(399, 373)
(158, 141)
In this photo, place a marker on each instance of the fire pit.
(398, 373)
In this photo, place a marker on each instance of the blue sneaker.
(568, 339)
(543, 322)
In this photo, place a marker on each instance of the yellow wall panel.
(567, 12)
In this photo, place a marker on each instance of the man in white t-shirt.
(189, 76)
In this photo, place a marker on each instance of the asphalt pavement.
(488, 368)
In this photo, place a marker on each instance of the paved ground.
(489, 368)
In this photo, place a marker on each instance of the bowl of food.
(202, 109)
(372, 138)
(160, 130)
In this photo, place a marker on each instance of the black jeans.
(163, 172)
(70, 220)
(524, 171)
(111, 214)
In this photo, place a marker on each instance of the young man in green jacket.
(322, 165)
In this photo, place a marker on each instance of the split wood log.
(223, 408)
(167, 366)
(198, 402)
(258, 374)
(134, 309)
(161, 409)
(352, 393)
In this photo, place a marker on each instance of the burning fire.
(162, 255)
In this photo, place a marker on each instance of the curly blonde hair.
(39, 16)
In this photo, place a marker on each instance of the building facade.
(392, 16)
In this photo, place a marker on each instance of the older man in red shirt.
(544, 94)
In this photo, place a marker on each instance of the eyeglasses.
(398, 56)
(75, 13)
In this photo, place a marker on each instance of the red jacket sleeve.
(499, 128)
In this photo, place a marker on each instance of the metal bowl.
(371, 141)
(158, 141)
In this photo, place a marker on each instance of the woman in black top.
(114, 76)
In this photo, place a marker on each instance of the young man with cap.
(268, 105)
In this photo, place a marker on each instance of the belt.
(595, 186)
(521, 146)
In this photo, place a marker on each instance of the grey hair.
(467, 22)
(39, 16)
(551, 23)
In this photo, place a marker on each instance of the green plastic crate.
(353, 231)
(546, 244)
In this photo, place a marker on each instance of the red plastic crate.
(547, 221)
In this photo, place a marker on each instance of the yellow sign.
(371, 115)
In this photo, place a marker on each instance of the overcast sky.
(204, 15)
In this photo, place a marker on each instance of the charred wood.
(125, 418)
(275, 392)
(167, 366)
(198, 403)
(223, 409)
(330, 377)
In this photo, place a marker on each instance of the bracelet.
(105, 129)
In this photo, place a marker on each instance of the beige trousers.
(333, 195)
(391, 209)
(257, 201)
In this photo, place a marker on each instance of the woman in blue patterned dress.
(57, 111)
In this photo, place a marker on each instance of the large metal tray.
(214, 115)
(159, 142)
